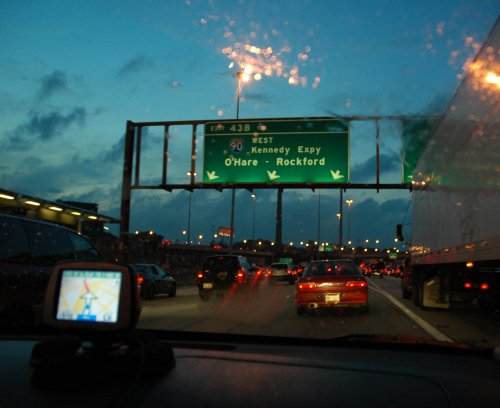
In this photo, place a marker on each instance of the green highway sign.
(415, 135)
(276, 151)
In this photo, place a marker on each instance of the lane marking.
(428, 328)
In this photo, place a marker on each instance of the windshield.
(331, 268)
(223, 142)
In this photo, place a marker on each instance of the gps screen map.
(89, 296)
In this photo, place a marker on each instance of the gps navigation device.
(98, 296)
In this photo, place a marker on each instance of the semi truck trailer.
(455, 230)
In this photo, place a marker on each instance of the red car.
(335, 283)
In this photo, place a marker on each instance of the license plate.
(335, 297)
(207, 286)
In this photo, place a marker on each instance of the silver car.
(282, 272)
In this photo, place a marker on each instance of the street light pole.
(238, 75)
(189, 220)
(189, 214)
(340, 218)
(319, 219)
(253, 224)
(349, 203)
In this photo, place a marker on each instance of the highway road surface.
(273, 313)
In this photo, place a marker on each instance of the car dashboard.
(247, 371)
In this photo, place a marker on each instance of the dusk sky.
(73, 72)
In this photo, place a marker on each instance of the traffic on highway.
(273, 312)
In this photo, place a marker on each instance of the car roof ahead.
(37, 221)
(345, 267)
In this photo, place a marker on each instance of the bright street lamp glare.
(245, 77)
(492, 78)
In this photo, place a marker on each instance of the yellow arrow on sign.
(211, 175)
(272, 175)
(336, 174)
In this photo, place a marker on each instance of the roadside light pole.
(340, 218)
(239, 76)
(189, 215)
(319, 219)
(254, 197)
(189, 220)
(349, 203)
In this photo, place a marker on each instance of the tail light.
(467, 285)
(289, 271)
(356, 284)
(484, 286)
(306, 285)
(200, 275)
(140, 279)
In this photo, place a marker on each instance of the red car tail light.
(356, 284)
(200, 275)
(289, 271)
(307, 285)
(484, 286)
(140, 279)
(467, 285)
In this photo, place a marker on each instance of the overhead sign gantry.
(270, 153)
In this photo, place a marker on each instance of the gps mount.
(95, 307)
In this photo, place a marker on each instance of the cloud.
(116, 152)
(70, 180)
(366, 171)
(373, 220)
(257, 97)
(149, 141)
(43, 127)
(167, 213)
(51, 84)
(134, 66)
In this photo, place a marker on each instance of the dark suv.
(224, 273)
(29, 249)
